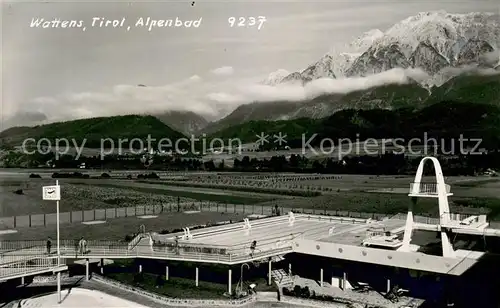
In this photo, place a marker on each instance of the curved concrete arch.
(444, 209)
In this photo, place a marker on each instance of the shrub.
(139, 278)
(297, 291)
(151, 176)
(306, 293)
(160, 281)
(77, 175)
(35, 176)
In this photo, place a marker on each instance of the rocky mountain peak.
(377, 60)
(428, 59)
(473, 52)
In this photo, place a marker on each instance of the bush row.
(77, 175)
(304, 292)
(296, 193)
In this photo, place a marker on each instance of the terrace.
(270, 234)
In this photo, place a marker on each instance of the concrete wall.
(411, 260)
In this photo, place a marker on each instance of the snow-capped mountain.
(452, 49)
(472, 51)
(364, 41)
(431, 41)
(426, 57)
(276, 77)
(321, 69)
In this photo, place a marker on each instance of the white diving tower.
(448, 222)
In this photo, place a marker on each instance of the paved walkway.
(130, 296)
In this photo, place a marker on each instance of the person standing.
(49, 245)
(252, 248)
(177, 245)
(82, 246)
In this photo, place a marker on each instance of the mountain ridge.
(452, 40)
(94, 131)
(472, 120)
(470, 87)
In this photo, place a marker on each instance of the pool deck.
(271, 231)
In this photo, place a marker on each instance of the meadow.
(372, 194)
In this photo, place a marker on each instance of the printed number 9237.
(247, 21)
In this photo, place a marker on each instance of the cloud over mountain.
(201, 95)
(223, 71)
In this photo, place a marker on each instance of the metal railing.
(426, 188)
(111, 249)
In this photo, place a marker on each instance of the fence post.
(15, 221)
(70, 217)
(44, 220)
(105, 214)
(83, 216)
(94, 214)
(30, 220)
(135, 210)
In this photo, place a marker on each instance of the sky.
(51, 74)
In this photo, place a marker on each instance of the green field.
(361, 193)
(387, 203)
(193, 194)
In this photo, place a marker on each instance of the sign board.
(52, 193)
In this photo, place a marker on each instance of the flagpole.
(57, 222)
(54, 193)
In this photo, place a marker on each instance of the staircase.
(281, 278)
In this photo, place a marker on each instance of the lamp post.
(53, 193)
(241, 276)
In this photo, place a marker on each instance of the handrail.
(143, 252)
(427, 188)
